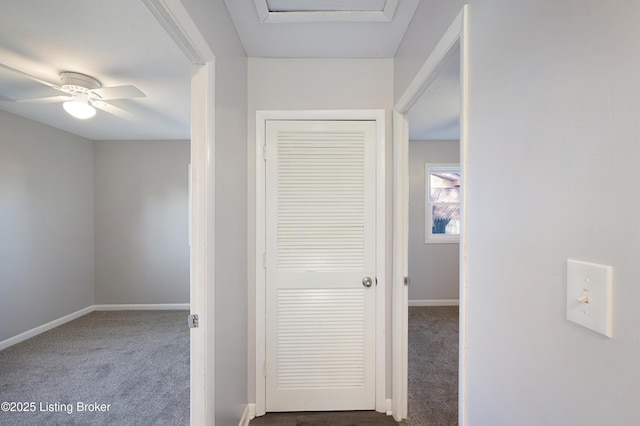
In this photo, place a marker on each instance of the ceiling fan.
(82, 94)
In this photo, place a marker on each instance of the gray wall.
(433, 268)
(431, 19)
(228, 374)
(231, 238)
(84, 223)
(315, 84)
(553, 118)
(141, 222)
(46, 224)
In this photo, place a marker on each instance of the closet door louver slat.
(320, 201)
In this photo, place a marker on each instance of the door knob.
(367, 282)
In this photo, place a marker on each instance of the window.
(442, 206)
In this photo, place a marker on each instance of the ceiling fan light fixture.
(79, 107)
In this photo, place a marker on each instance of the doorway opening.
(449, 53)
(433, 249)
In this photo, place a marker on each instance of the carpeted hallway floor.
(151, 386)
(433, 366)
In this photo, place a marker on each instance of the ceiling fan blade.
(48, 100)
(36, 79)
(118, 112)
(118, 92)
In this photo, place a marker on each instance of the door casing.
(260, 300)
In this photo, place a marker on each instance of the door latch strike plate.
(406, 280)
(193, 321)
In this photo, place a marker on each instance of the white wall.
(229, 301)
(553, 118)
(430, 21)
(87, 222)
(433, 268)
(314, 84)
(46, 224)
(141, 222)
(231, 239)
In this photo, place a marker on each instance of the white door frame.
(261, 118)
(202, 231)
(456, 35)
(177, 22)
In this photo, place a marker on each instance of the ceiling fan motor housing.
(78, 83)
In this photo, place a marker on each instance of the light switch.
(590, 296)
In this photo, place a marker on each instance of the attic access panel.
(282, 11)
(325, 6)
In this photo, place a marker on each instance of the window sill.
(444, 240)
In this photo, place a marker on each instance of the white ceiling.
(117, 42)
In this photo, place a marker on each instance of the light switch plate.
(590, 296)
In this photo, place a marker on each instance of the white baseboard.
(143, 307)
(44, 327)
(389, 407)
(55, 323)
(435, 302)
(248, 415)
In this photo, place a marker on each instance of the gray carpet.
(433, 366)
(136, 361)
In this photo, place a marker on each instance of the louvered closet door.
(320, 237)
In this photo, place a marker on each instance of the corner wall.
(141, 222)
(231, 239)
(46, 224)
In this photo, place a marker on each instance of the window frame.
(429, 236)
